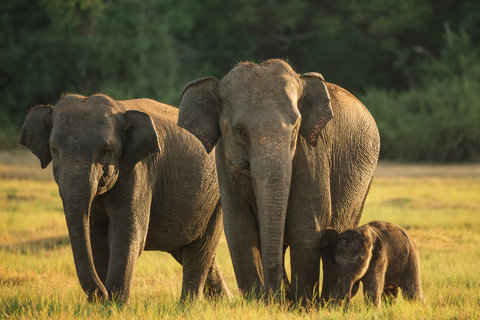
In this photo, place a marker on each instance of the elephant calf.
(381, 255)
(130, 180)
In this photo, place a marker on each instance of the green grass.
(437, 205)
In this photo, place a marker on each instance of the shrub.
(437, 119)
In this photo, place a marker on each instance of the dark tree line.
(414, 63)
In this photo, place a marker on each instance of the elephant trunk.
(345, 292)
(271, 181)
(77, 192)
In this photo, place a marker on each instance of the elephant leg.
(390, 294)
(198, 258)
(307, 217)
(374, 281)
(330, 280)
(99, 240)
(309, 212)
(125, 246)
(127, 233)
(348, 193)
(196, 265)
(243, 241)
(215, 285)
(372, 292)
(410, 281)
(305, 264)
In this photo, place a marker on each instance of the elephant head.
(258, 110)
(352, 251)
(89, 140)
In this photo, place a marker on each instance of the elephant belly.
(167, 231)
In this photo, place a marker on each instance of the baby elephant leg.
(355, 289)
(373, 293)
(390, 294)
(374, 280)
(410, 282)
(373, 283)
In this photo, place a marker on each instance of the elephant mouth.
(107, 180)
(242, 166)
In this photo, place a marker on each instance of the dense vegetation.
(415, 63)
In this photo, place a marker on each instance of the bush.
(436, 120)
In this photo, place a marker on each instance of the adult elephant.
(279, 188)
(130, 180)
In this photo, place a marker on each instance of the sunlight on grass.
(439, 211)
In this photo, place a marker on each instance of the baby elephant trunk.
(344, 293)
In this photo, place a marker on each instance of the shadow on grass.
(33, 246)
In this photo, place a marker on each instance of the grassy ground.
(438, 205)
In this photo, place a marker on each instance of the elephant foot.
(97, 295)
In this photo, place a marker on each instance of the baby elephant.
(380, 254)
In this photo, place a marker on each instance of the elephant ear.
(377, 249)
(316, 109)
(36, 133)
(327, 243)
(198, 111)
(376, 242)
(140, 137)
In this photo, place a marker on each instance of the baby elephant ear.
(327, 243)
(377, 249)
(377, 244)
(36, 133)
(316, 109)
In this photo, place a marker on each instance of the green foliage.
(437, 120)
(85, 46)
(380, 49)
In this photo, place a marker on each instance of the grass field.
(439, 206)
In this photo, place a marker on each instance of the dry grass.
(438, 205)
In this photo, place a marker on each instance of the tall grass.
(440, 212)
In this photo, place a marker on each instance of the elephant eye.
(104, 154)
(239, 134)
(359, 262)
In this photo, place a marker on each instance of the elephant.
(380, 255)
(294, 155)
(130, 180)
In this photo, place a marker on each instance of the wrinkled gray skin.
(295, 155)
(380, 255)
(130, 180)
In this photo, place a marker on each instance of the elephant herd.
(283, 156)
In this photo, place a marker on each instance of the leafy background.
(414, 63)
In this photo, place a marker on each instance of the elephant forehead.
(253, 107)
(95, 112)
(260, 81)
(79, 118)
(351, 243)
